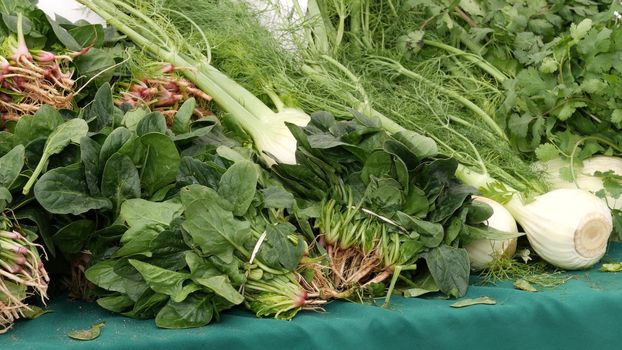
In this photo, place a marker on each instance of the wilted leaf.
(524, 285)
(476, 301)
(87, 334)
(611, 267)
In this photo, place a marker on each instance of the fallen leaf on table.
(524, 285)
(612, 267)
(476, 301)
(87, 334)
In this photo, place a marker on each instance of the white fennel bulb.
(483, 251)
(585, 175)
(568, 228)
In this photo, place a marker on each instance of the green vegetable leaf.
(41, 124)
(616, 117)
(139, 212)
(120, 180)
(450, 269)
(162, 162)
(181, 123)
(113, 143)
(138, 241)
(63, 36)
(213, 228)
(222, 286)
(118, 276)
(65, 191)
(89, 155)
(196, 311)
(422, 285)
(70, 238)
(568, 109)
(579, 31)
(193, 171)
(133, 117)
(148, 305)
(100, 112)
(70, 131)
(238, 185)
(277, 247)
(277, 197)
(153, 122)
(547, 151)
(11, 165)
(94, 63)
(162, 280)
(116, 303)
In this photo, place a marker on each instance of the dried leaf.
(476, 301)
(524, 285)
(35, 312)
(87, 334)
(612, 267)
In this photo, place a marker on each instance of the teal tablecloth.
(585, 313)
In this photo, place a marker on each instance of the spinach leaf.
(195, 311)
(39, 125)
(120, 180)
(89, 156)
(71, 238)
(115, 303)
(118, 276)
(161, 164)
(140, 212)
(222, 287)
(153, 122)
(213, 228)
(113, 143)
(70, 131)
(100, 112)
(65, 191)
(449, 267)
(165, 281)
(11, 165)
(238, 185)
(193, 171)
(181, 123)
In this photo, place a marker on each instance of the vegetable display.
(185, 159)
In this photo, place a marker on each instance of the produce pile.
(187, 159)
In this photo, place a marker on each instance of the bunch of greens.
(386, 204)
(49, 62)
(221, 239)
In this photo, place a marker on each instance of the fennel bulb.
(483, 251)
(568, 228)
(588, 175)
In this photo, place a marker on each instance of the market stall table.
(584, 313)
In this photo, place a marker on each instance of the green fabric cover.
(585, 313)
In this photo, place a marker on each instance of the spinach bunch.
(383, 205)
(223, 240)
